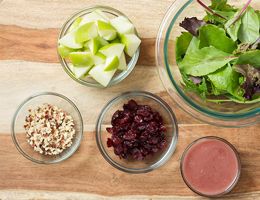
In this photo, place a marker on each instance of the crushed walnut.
(49, 130)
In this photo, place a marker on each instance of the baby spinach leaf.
(211, 35)
(251, 58)
(204, 61)
(251, 84)
(221, 5)
(233, 28)
(194, 45)
(249, 29)
(200, 89)
(227, 81)
(182, 44)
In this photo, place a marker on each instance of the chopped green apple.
(122, 25)
(75, 24)
(81, 59)
(131, 42)
(86, 32)
(80, 72)
(110, 50)
(99, 58)
(102, 41)
(112, 63)
(117, 40)
(122, 62)
(93, 45)
(64, 51)
(106, 31)
(100, 75)
(93, 17)
(69, 41)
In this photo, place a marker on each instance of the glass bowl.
(19, 135)
(88, 81)
(226, 114)
(148, 164)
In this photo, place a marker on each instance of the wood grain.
(29, 64)
(41, 45)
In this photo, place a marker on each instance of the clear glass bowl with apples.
(98, 46)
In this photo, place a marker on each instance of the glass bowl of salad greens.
(208, 57)
(98, 46)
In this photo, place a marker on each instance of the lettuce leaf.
(204, 61)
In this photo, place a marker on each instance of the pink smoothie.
(210, 166)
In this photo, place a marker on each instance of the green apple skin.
(112, 63)
(69, 41)
(100, 75)
(81, 59)
(93, 17)
(99, 58)
(102, 41)
(86, 32)
(75, 24)
(122, 25)
(114, 49)
(122, 62)
(81, 72)
(106, 30)
(64, 52)
(131, 42)
(93, 45)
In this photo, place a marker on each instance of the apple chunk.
(122, 62)
(100, 75)
(81, 59)
(99, 58)
(75, 24)
(131, 42)
(114, 49)
(93, 17)
(112, 63)
(122, 25)
(69, 41)
(106, 31)
(86, 32)
(80, 72)
(64, 51)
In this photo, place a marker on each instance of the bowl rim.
(187, 102)
(13, 134)
(116, 79)
(235, 181)
(170, 150)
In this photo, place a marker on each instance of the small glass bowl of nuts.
(47, 128)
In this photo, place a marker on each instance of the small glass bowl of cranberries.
(137, 132)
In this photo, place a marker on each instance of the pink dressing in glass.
(210, 166)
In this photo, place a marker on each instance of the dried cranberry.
(137, 131)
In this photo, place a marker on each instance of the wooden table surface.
(29, 64)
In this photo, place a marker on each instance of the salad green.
(219, 56)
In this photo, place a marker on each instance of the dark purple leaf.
(192, 25)
(251, 85)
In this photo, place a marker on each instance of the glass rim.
(13, 133)
(170, 150)
(195, 107)
(235, 181)
(116, 79)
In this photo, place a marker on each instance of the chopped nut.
(49, 129)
